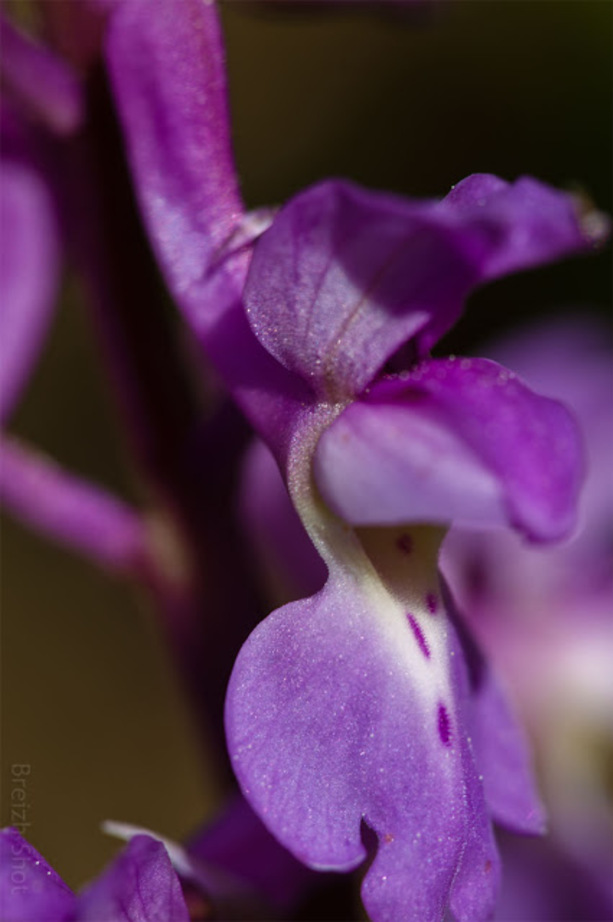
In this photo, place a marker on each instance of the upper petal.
(454, 440)
(167, 68)
(139, 886)
(344, 276)
(29, 887)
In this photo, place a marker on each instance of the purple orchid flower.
(542, 614)
(356, 705)
(365, 705)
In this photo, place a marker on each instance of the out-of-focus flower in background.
(42, 105)
(545, 618)
(41, 96)
(139, 886)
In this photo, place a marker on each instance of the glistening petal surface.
(331, 719)
(454, 440)
(345, 276)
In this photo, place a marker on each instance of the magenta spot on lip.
(444, 726)
(419, 637)
(404, 543)
(432, 603)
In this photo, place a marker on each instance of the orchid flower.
(356, 705)
(542, 614)
(365, 706)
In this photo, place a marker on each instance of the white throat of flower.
(393, 569)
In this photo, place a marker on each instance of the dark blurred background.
(410, 103)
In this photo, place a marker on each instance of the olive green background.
(411, 104)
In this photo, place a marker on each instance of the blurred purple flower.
(356, 705)
(232, 868)
(29, 262)
(139, 886)
(39, 82)
(545, 618)
(42, 96)
(43, 102)
(235, 865)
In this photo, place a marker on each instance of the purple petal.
(569, 586)
(454, 440)
(45, 82)
(205, 886)
(536, 222)
(502, 754)
(139, 886)
(501, 749)
(335, 716)
(29, 888)
(167, 68)
(345, 276)
(570, 359)
(78, 514)
(29, 260)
